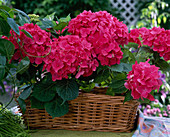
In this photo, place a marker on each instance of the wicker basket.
(89, 112)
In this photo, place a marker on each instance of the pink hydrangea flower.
(38, 46)
(134, 36)
(70, 55)
(142, 80)
(104, 32)
(157, 39)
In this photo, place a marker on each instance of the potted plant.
(56, 61)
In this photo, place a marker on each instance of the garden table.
(68, 133)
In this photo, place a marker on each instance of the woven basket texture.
(92, 111)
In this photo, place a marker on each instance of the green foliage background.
(64, 7)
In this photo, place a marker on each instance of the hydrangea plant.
(55, 58)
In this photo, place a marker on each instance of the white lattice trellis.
(129, 10)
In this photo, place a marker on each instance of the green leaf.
(4, 28)
(60, 26)
(27, 33)
(46, 23)
(67, 19)
(36, 103)
(117, 68)
(44, 91)
(102, 76)
(63, 22)
(122, 67)
(56, 107)
(4, 14)
(67, 89)
(51, 16)
(132, 45)
(144, 101)
(164, 66)
(110, 92)
(23, 13)
(26, 93)
(117, 83)
(128, 96)
(13, 25)
(6, 48)
(120, 89)
(120, 76)
(2, 60)
(22, 104)
(2, 72)
(128, 56)
(22, 19)
(8, 9)
(23, 65)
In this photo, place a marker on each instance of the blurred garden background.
(134, 13)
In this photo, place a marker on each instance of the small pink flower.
(158, 110)
(168, 107)
(148, 107)
(160, 115)
(156, 101)
(165, 114)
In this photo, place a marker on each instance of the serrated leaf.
(13, 25)
(163, 65)
(2, 60)
(102, 76)
(60, 26)
(67, 19)
(110, 92)
(46, 23)
(4, 28)
(67, 89)
(117, 68)
(4, 14)
(23, 13)
(122, 67)
(131, 44)
(9, 10)
(51, 16)
(56, 107)
(22, 104)
(6, 48)
(44, 91)
(23, 65)
(26, 93)
(120, 89)
(117, 83)
(120, 76)
(2, 72)
(128, 96)
(145, 100)
(27, 33)
(128, 56)
(36, 103)
(22, 19)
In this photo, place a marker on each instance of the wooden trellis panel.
(129, 10)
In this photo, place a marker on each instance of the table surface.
(68, 133)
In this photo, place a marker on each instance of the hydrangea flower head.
(142, 80)
(104, 32)
(33, 48)
(70, 55)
